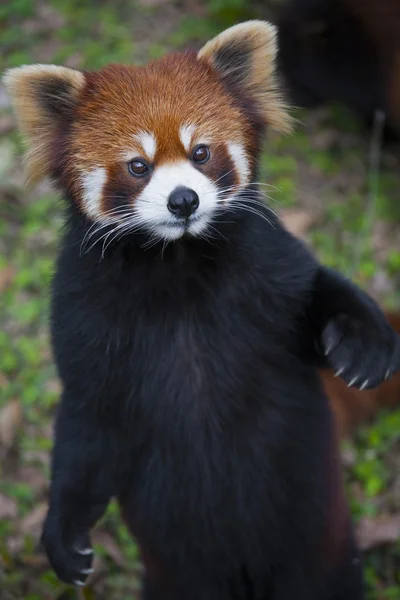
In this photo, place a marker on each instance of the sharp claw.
(352, 382)
(84, 551)
(87, 571)
(388, 373)
(339, 371)
(364, 385)
(328, 349)
(79, 583)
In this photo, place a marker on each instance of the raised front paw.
(363, 356)
(69, 552)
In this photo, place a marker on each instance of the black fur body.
(191, 393)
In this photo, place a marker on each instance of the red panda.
(188, 327)
(344, 51)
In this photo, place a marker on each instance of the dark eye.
(201, 154)
(138, 168)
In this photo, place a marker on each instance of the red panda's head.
(161, 147)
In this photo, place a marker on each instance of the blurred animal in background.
(345, 51)
(353, 407)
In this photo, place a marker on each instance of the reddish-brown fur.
(338, 525)
(160, 98)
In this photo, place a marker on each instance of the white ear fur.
(42, 97)
(245, 56)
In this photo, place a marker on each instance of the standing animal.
(188, 327)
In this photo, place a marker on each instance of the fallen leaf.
(377, 532)
(74, 61)
(32, 523)
(298, 221)
(8, 507)
(53, 386)
(382, 284)
(37, 561)
(10, 420)
(88, 594)
(325, 139)
(7, 123)
(33, 476)
(99, 570)
(348, 456)
(105, 540)
(15, 545)
(6, 277)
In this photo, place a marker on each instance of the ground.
(322, 180)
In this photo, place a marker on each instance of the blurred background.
(335, 182)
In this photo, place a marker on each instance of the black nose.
(183, 201)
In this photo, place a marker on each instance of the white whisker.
(88, 235)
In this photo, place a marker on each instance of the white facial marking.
(148, 144)
(238, 155)
(92, 187)
(151, 204)
(186, 134)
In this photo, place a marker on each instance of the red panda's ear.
(245, 56)
(43, 98)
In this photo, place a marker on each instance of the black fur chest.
(187, 331)
(187, 358)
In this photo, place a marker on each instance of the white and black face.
(179, 198)
(162, 148)
(171, 184)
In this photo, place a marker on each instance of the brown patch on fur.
(42, 97)
(120, 188)
(220, 168)
(338, 516)
(351, 406)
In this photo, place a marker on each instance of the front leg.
(83, 482)
(352, 334)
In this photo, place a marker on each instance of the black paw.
(363, 356)
(69, 552)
